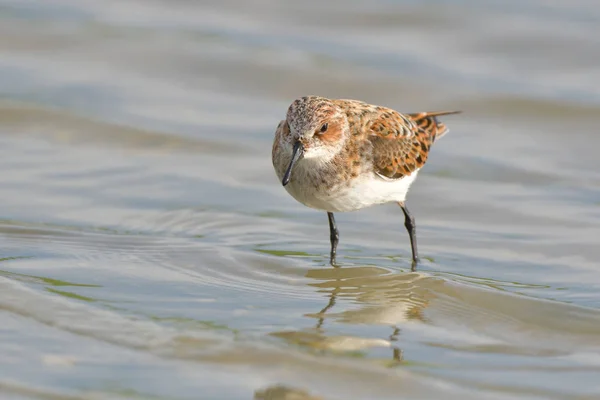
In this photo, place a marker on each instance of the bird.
(341, 155)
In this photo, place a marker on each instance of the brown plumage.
(401, 142)
(343, 155)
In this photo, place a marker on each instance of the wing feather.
(401, 142)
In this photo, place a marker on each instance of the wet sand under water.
(148, 251)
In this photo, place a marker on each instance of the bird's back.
(399, 143)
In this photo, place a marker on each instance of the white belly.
(366, 191)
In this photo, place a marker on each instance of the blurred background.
(149, 252)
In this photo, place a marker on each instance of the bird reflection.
(385, 298)
(281, 392)
(330, 304)
(397, 354)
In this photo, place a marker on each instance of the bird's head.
(317, 129)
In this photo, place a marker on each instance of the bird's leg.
(409, 223)
(334, 236)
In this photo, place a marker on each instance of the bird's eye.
(324, 127)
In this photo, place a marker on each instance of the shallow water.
(148, 251)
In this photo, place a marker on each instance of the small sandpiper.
(340, 155)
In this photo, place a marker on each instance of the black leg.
(334, 236)
(409, 223)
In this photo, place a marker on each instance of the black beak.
(298, 151)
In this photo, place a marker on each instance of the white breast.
(366, 190)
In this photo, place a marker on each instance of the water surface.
(148, 252)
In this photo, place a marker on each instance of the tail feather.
(428, 122)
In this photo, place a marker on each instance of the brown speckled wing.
(401, 142)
